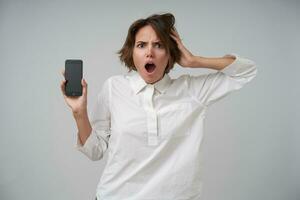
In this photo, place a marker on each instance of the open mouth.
(150, 67)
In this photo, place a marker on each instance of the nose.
(149, 52)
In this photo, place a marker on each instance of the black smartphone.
(73, 76)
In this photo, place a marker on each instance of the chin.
(149, 81)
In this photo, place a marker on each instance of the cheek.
(163, 56)
(164, 59)
(136, 58)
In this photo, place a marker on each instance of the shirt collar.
(137, 82)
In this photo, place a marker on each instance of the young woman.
(150, 124)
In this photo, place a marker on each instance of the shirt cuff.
(238, 66)
(91, 141)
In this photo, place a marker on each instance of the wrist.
(196, 62)
(80, 114)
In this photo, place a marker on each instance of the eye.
(140, 45)
(158, 45)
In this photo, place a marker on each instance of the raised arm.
(78, 106)
(191, 61)
(233, 72)
(93, 134)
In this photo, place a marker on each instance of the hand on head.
(187, 58)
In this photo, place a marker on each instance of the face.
(149, 55)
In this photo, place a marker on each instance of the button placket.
(151, 116)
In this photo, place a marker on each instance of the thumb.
(84, 86)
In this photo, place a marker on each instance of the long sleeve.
(97, 143)
(209, 88)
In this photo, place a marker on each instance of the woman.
(151, 124)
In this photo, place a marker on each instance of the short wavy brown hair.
(162, 25)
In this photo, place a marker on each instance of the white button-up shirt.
(153, 133)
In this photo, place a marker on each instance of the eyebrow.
(140, 41)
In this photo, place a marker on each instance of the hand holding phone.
(78, 104)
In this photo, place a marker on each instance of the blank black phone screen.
(73, 76)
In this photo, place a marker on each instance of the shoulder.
(191, 80)
(182, 79)
(115, 79)
(120, 81)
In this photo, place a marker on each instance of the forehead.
(146, 33)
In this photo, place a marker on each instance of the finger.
(63, 72)
(62, 87)
(177, 39)
(175, 33)
(84, 87)
(175, 36)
